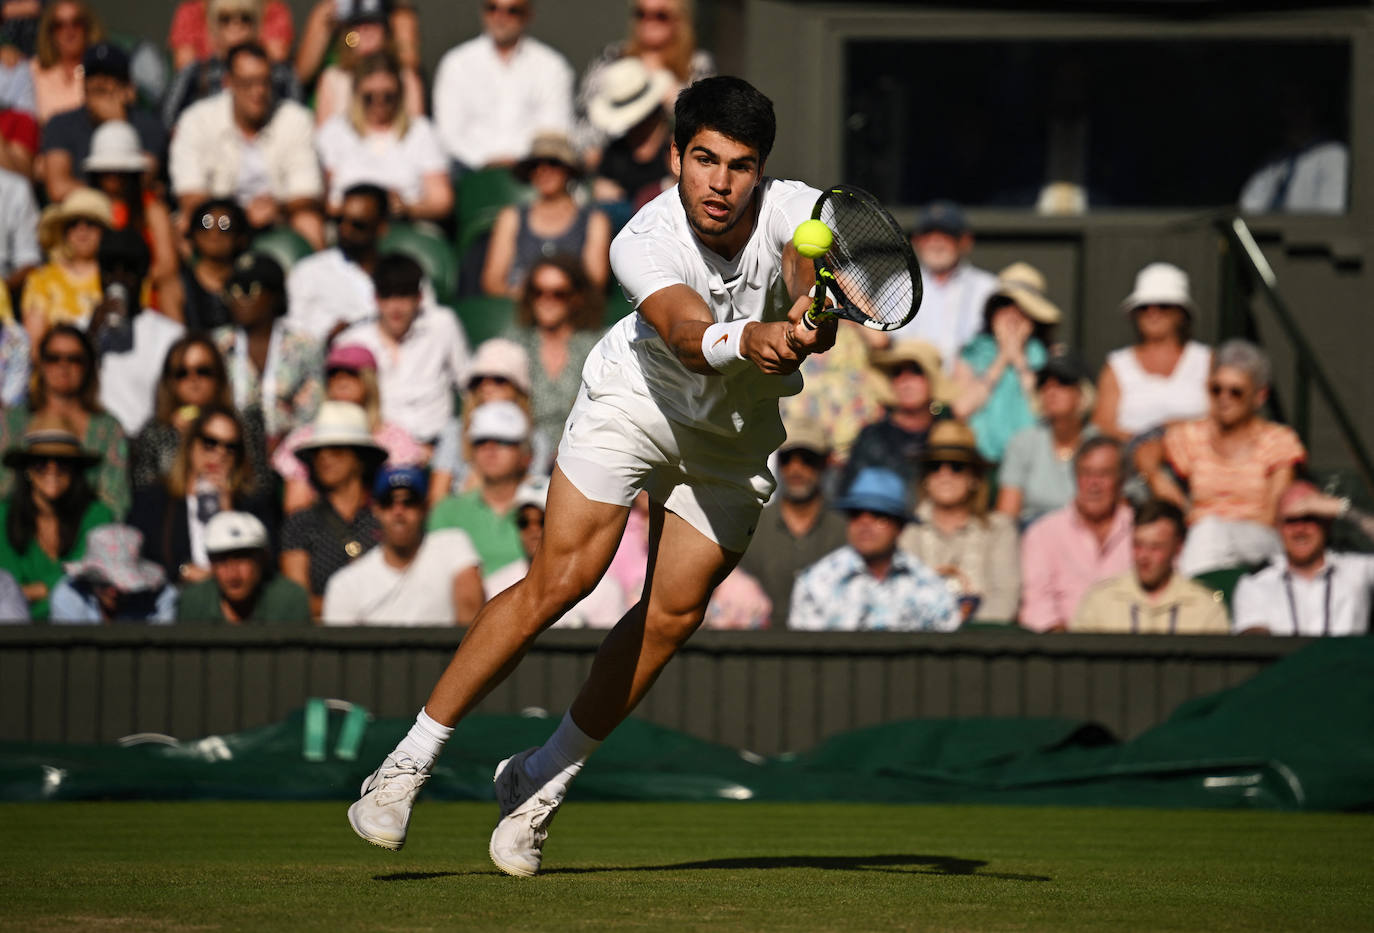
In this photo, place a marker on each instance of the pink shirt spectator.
(1230, 490)
(739, 602)
(1061, 558)
(631, 560)
(400, 450)
(189, 27)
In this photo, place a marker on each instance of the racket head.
(870, 268)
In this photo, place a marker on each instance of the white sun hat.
(626, 93)
(115, 147)
(1160, 283)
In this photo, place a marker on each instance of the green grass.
(718, 867)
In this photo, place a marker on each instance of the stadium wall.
(769, 692)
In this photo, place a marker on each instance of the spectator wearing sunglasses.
(189, 35)
(191, 378)
(798, 527)
(212, 473)
(870, 584)
(67, 289)
(553, 224)
(411, 577)
(65, 31)
(493, 93)
(329, 290)
(916, 388)
(955, 535)
(1235, 462)
(364, 30)
(375, 141)
(218, 236)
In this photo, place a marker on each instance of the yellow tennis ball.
(812, 239)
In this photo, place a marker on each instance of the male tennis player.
(680, 399)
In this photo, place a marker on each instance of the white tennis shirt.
(658, 248)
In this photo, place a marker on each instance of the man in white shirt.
(422, 355)
(678, 400)
(1310, 590)
(410, 578)
(329, 290)
(955, 290)
(19, 250)
(492, 94)
(244, 144)
(133, 341)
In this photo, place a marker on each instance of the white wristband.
(721, 347)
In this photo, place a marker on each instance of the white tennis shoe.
(382, 813)
(517, 843)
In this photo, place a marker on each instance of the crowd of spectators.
(198, 429)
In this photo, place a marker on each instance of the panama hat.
(1160, 283)
(112, 557)
(342, 424)
(876, 489)
(115, 147)
(42, 442)
(626, 93)
(953, 442)
(549, 147)
(84, 203)
(925, 355)
(1025, 285)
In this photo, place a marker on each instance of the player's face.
(874, 536)
(717, 176)
(1154, 548)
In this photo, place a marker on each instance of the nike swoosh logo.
(721, 339)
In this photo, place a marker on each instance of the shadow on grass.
(947, 865)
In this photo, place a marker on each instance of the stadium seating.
(484, 316)
(433, 254)
(284, 245)
(481, 195)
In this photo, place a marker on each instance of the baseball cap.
(234, 531)
(350, 357)
(806, 434)
(533, 492)
(258, 268)
(499, 421)
(1064, 367)
(942, 217)
(105, 59)
(356, 12)
(401, 477)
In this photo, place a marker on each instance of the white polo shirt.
(370, 591)
(325, 288)
(1334, 602)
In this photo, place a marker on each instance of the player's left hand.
(804, 340)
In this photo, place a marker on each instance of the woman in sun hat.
(628, 109)
(46, 519)
(67, 289)
(1162, 377)
(976, 551)
(342, 458)
(553, 224)
(113, 584)
(994, 380)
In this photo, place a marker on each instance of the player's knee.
(554, 593)
(672, 626)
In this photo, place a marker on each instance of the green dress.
(33, 565)
(109, 478)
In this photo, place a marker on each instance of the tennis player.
(681, 400)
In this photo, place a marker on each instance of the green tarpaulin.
(1298, 736)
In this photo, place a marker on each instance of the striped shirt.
(1231, 489)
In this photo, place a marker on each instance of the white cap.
(499, 421)
(234, 531)
(533, 492)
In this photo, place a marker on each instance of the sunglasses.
(525, 521)
(655, 16)
(406, 500)
(239, 293)
(359, 223)
(223, 222)
(516, 9)
(69, 23)
(808, 457)
(955, 466)
(70, 359)
(219, 443)
(1217, 390)
(242, 17)
(476, 381)
(83, 222)
(562, 294)
(869, 513)
(1303, 520)
(200, 372)
(40, 463)
(493, 440)
(372, 98)
(903, 369)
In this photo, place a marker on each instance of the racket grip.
(816, 314)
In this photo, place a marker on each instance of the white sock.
(563, 755)
(425, 740)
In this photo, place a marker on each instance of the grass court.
(720, 867)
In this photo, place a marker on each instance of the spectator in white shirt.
(492, 94)
(410, 578)
(245, 144)
(19, 252)
(1309, 590)
(955, 290)
(329, 290)
(422, 355)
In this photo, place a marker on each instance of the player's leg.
(684, 569)
(580, 538)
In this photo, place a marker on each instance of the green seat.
(484, 316)
(481, 195)
(1224, 579)
(432, 252)
(617, 305)
(284, 245)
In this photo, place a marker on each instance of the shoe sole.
(375, 840)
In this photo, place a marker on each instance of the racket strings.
(870, 260)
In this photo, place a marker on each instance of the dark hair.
(165, 402)
(1098, 442)
(254, 49)
(585, 313)
(21, 525)
(238, 220)
(1039, 331)
(124, 249)
(732, 107)
(397, 276)
(376, 192)
(130, 194)
(240, 478)
(1157, 510)
(89, 392)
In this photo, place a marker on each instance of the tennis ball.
(812, 239)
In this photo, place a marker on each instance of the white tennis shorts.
(614, 446)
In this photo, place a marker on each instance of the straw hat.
(925, 355)
(112, 557)
(42, 442)
(1160, 283)
(551, 147)
(1025, 285)
(81, 202)
(115, 147)
(626, 93)
(953, 441)
(342, 424)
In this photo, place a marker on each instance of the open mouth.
(716, 210)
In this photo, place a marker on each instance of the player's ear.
(675, 158)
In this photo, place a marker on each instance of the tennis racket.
(870, 268)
